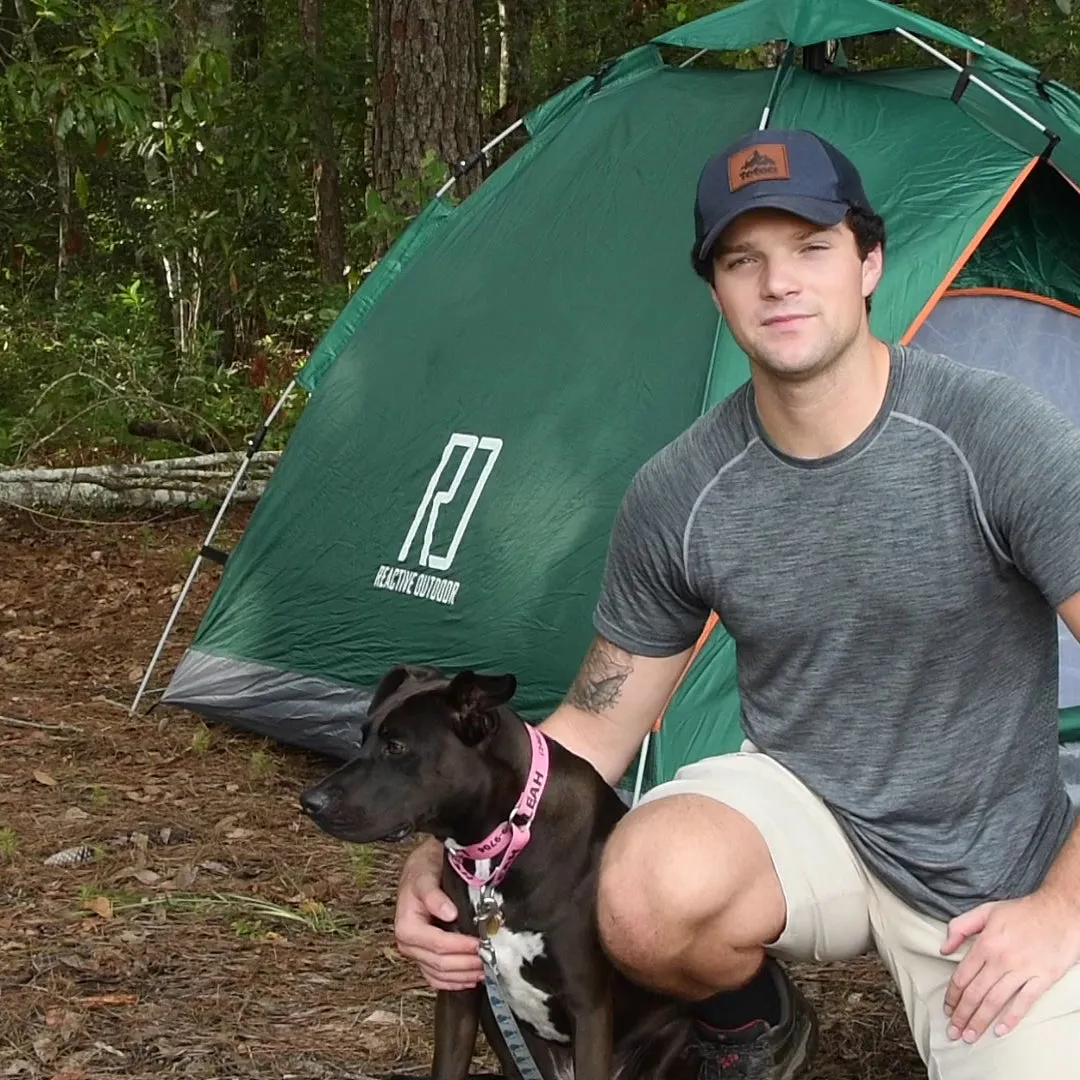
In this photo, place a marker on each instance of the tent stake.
(975, 79)
(253, 446)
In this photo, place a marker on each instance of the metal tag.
(489, 918)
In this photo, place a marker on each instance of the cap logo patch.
(766, 162)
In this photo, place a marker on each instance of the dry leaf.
(75, 813)
(381, 1016)
(43, 777)
(69, 1072)
(147, 877)
(107, 999)
(45, 1048)
(101, 905)
(67, 1021)
(135, 674)
(238, 834)
(185, 877)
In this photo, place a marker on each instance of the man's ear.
(474, 700)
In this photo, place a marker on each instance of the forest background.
(190, 190)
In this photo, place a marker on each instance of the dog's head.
(420, 762)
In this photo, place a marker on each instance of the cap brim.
(819, 211)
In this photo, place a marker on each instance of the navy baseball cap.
(789, 170)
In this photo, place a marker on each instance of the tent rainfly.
(479, 407)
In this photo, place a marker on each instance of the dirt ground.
(211, 931)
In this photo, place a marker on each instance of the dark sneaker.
(759, 1051)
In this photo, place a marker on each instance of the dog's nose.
(314, 800)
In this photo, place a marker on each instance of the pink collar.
(509, 838)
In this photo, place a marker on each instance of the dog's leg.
(457, 1018)
(593, 1038)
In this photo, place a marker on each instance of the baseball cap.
(791, 170)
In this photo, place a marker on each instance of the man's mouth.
(785, 320)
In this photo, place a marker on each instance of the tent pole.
(697, 56)
(483, 152)
(253, 446)
(975, 79)
(774, 89)
(643, 753)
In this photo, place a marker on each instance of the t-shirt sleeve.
(1030, 454)
(646, 604)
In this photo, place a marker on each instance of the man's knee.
(682, 866)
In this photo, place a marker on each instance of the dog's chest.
(515, 951)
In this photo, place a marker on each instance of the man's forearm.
(1063, 878)
(611, 706)
(602, 742)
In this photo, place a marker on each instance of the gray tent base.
(311, 712)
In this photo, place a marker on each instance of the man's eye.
(394, 748)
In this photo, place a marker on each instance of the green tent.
(480, 406)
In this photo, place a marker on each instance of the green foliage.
(174, 152)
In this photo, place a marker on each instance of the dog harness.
(496, 854)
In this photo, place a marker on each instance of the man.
(887, 535)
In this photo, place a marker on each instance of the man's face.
(793, 293)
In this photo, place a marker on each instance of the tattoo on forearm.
(599, 683)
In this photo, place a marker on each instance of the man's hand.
(1022, 948)
(449, 961)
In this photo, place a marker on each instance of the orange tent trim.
(973, 243)
(1019, 294)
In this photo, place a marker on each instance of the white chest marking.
(513, 950)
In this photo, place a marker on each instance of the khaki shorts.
(836, 910)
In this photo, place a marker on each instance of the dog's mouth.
(401, 832)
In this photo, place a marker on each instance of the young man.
(888, 537)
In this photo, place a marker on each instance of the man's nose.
(778, 278)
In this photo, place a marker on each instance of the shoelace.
(721, 1061)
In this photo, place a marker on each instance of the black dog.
(449, 758)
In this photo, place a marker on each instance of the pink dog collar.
(509, 838)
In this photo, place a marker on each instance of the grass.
(9, 843)
(361, 857)
(246, 914)
(262, 764)
(200, 741)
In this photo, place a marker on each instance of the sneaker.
(760, 1051)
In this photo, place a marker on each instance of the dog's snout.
(315, 800)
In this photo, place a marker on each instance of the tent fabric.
(809, 22)
(480, 406)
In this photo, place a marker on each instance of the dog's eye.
(393, 748)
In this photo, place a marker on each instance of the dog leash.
(507, 840)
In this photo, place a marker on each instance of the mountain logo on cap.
(765, 162)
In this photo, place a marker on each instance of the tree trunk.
(176, 482)
(60, 155)
(325, 177)
(426, 88)
(518, 18)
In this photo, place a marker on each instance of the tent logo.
(766, 162)
(428, 586)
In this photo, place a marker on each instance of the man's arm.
(612, 705)
(1024, 945)
(1063, 878)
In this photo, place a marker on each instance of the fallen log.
(175, 482)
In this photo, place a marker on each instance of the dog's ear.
(474, 700)
(396, 678)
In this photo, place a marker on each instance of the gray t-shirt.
(892, 607)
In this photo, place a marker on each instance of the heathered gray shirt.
(892, 608)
